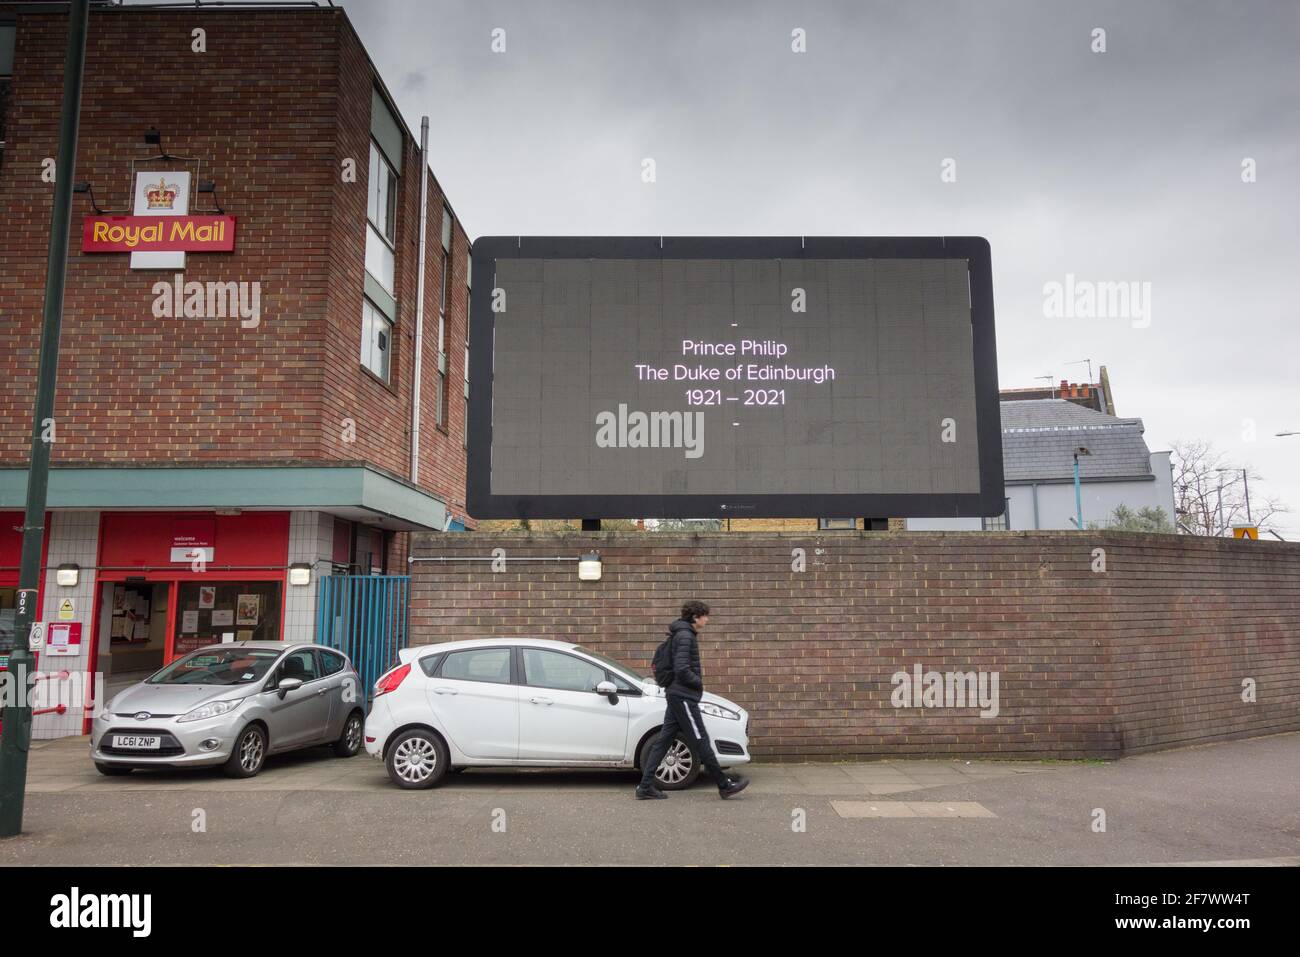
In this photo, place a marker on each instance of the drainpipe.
(1034, 489)
(419, 305)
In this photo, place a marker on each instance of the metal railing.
(367, 618)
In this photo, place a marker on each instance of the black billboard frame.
(975, 250)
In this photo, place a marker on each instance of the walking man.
(683, 711)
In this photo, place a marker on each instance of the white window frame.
(381, 220)
(378, 361)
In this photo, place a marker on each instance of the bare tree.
(1210, 492)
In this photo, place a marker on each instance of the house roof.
(1039, 437)
(1085, 394)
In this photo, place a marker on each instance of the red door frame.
(172, 580)
(172, 577)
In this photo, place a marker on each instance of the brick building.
(209, 437)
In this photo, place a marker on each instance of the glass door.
(209, 613)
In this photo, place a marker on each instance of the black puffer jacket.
(688, 676)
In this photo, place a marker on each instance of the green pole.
(17, 712)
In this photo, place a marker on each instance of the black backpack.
(662, 663)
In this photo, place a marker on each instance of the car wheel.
(679, 768)
(349, 742)
(417, 759)
(112, 770)
(249, 753)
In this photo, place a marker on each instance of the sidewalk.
(63, 765)
(1232, 802)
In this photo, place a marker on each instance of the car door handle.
(445, 691)
(321, 692)
(540, 700)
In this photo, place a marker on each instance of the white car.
(523, 702)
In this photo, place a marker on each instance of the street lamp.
(1078, 490)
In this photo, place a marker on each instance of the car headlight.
(212, 709)
(718, 711)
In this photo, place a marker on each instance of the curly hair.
(694, 609)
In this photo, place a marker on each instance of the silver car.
(232, 705)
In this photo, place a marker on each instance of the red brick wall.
(1150, 653)
(272, 108)
(382, 411)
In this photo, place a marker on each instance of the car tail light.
(391, 680)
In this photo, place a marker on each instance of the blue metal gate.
(365, 617)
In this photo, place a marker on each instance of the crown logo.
(161, 195)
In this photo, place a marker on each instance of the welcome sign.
(132, 234)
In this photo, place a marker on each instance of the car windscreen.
(226, 666)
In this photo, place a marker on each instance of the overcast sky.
(1117, 166)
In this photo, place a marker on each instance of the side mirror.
(609, 690)
(288, 684)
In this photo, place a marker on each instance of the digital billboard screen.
(732, 377)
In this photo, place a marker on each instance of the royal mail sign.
(136, 234)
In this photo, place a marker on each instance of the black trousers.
(683, 715)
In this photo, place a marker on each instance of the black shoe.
(650, 793)
(733, 786)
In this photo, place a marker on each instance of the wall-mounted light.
(589, 567)
(68, 575)
(300, 574)
(153, 137)
(87, 188)
(210, 187)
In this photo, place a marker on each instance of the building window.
(8, 35)
(837, 524)
(998, 523)
(381, 198)
(376, 340)
(440, 413)
(378, 309)
(241, 610)
(381, 221)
